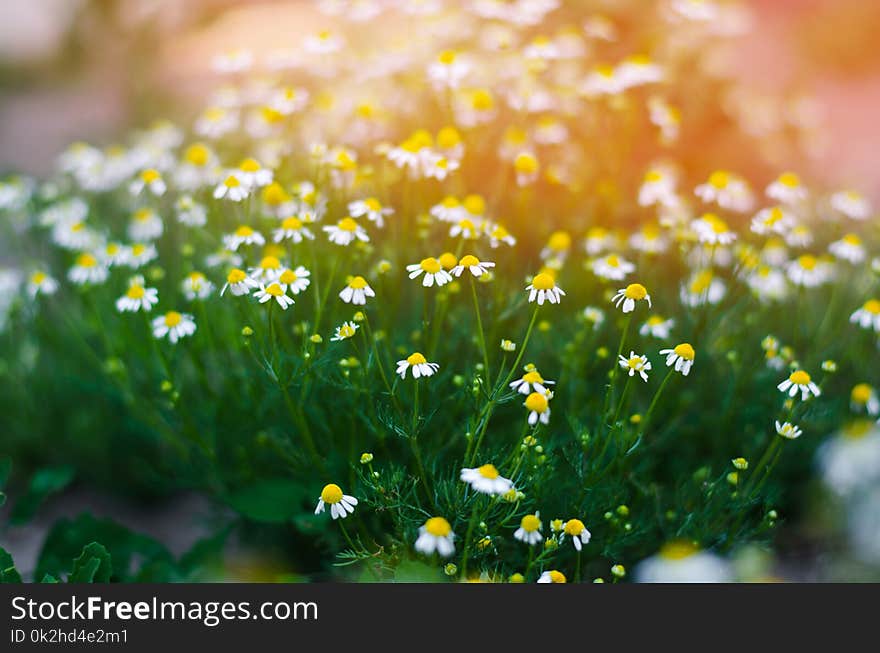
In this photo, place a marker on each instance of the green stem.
(480, 330)
(467, 539)
(656, 398)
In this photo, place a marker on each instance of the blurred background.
(89, 70)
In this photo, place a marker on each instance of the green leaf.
(49, 578)
(8, 572)
(272, 500)
(92, 566)
(44, 483)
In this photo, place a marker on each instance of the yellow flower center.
(653, 176)
(677, 550)
(560, 241)
(525, 163)
(475, 204)
(532, 377)
(685, 351)
(438, 527)
(236, 276)
(530, 523)
(347, 224)
(197, 154)
(488, 471)
(852, 239)
(872, 306)
(373, 204)
(151, 175)
(416, 359)
(719, 179)
(173, 318)
(331, 493)
(135, 292)
(358, 283)
(655, 320)
(557, 576)
(448, 260)
(635, 291)
(861, 393)
(469, 260)
(702, 281)
(274, 289)
(287, 277)
(574, 527)
(635, 362)
(86, 261)
(274, 194)
(448, 137)
(232, 182)
(612, 260)
(447, 57)
(38, 277)
(482, 100)
(430, 265)
(244, 231)
(774, 216)
(537, 402)
(346, 331)
(789, 179)
(249, 165)
(858, 429)
(807, 261)
(543, 281)
(799, 377)
(142, 215)
(292, 224)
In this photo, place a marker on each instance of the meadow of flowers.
(512, 293)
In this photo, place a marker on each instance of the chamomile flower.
(296, 281)
(486, 479)
(274, 291)
(215, 122)
(436, 535)
(727, 191)
(635, 363)
(600, 240)
(356, 291)
(772, 220)
(682, 357)
(531, 381)
(139, 254)
(149, 180)
(87, 269)
(849, 248)
(41, 283)
(232, 188)
(799, 381)
(712, 230)
(658, 187)
(594, 316)
(703, 287)
(418, 366)
(649, 239)
(190, 212)
(465, 229)
(174, 325)
(809, 271)
(293, 229)
(612, 267)
(682, 562)
(538, 405)
(558, 246)
(626, 298)
(243, 235)
(788, 430)
(529, 530)
(787, 188)
(341, 505)
(253, 175)
(526, 167)
(74, 235)
(543, 287)
(851, 204)
(372, 209)
(474, 265)
(864, 397)
(145, 225)
(137, 297)
(346, 231)
(657, 327)
(552, 576)
(267, 269)
(448, 69)
(768, 284)
(433, 271)
(238, 283)
(850, 460)
(799, 236)
(575, 529)
(345, 331)
(196, 286)
(868, 316)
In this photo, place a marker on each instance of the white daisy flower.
(292, 228)
(543, 287)
(294, 280)
(868, 316)
(808, 271)
(612, 267)
(772, 220)
(174, 325)
(274, 291)
(768, 284)
(41, 283)
(252, 174)
(703, 288)
(657, 327)
(139, 254)
(474, 265)
(345, 331)
(529, 530)
(356, 291)
(712, 230)
(267, 269)
(150, 180)
(74, 235)
(538, 405)
(137, 297)
(682, 357)
(215, 122)
(649, 239)
(371, 208)
(341, 505)
(849, 248)
(244, 235)
(87, 269)
(190, 212)
(552, 576)
(436, 535)
(418, 366)
(531, 381)
(594, 316)
(788, 430)
(787, 188)
(799, 236)
(232, 188)
(626, 298)
(682, 562)
(346, 231)
(851, 204)
(145, 225)
(238, 283)
(433, 271)
(448, 70)
(727, 191)
(799, 381)
(635, 363)
(575, 529)
(486, 479)
(864, 397)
